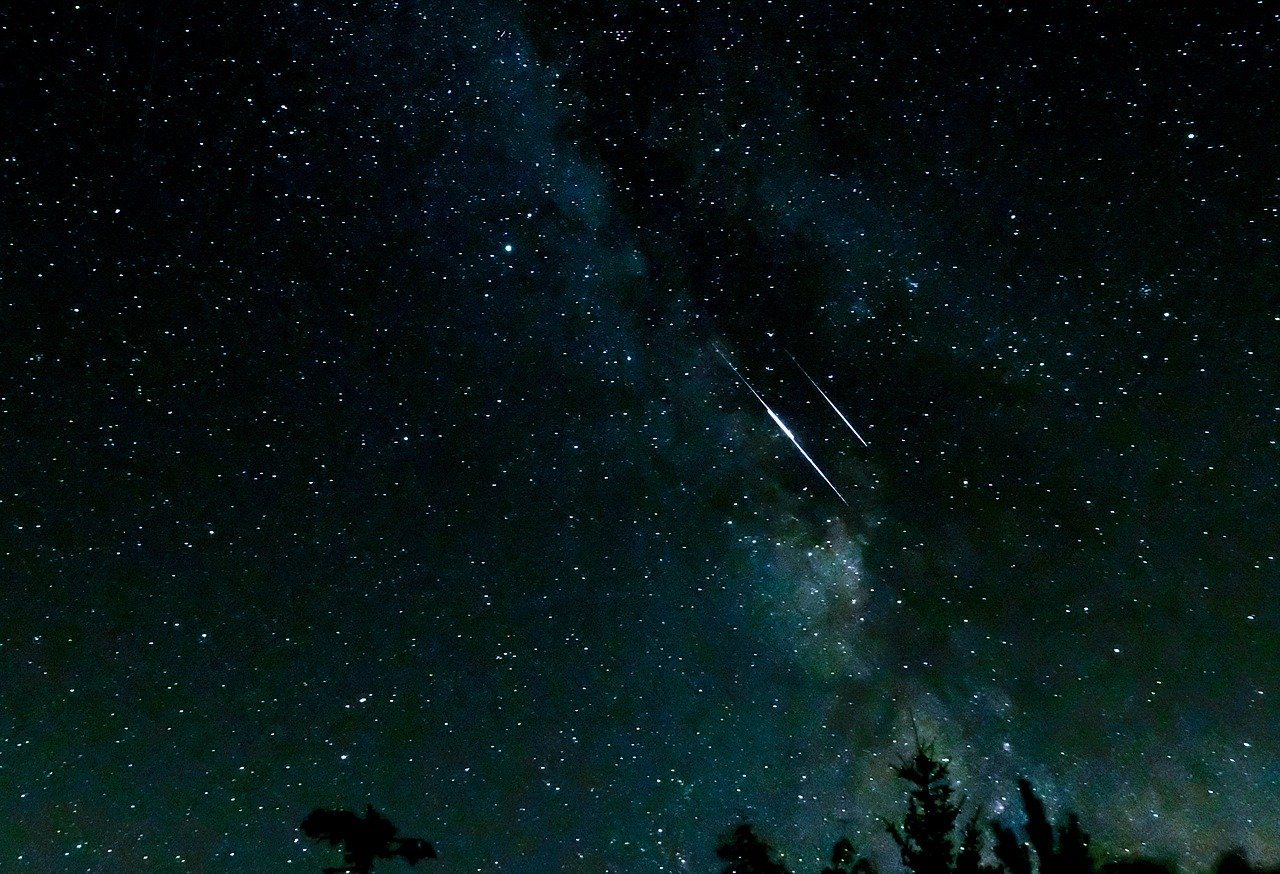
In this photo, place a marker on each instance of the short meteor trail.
(828, 400)
(778, 421)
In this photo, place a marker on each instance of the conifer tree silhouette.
(969, 856)
(1073, 848)
(1068, 854)
(363, 839)
(1010, 851)
(747, 853)
(924, 838)
(1039, 832)
(845, 860)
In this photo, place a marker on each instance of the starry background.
(366, 435)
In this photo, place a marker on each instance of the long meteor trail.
(827, 399)
(777, 420)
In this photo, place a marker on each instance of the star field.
(370, 431)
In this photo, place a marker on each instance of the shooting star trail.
(777, 420)
(828, 400)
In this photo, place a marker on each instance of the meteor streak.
(827, 399)
(777, 420)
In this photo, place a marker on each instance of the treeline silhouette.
(931, 838)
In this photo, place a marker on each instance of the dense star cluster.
(428, 405)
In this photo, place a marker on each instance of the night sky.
(369, 434)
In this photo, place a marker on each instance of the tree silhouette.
(1234, 861)
(1012, 853)
(1073, 848)
(1068, 854)
(364, 839)
(747, 853)
(1039, 832)
(924, 838)
(845, 860)
(969, 856)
